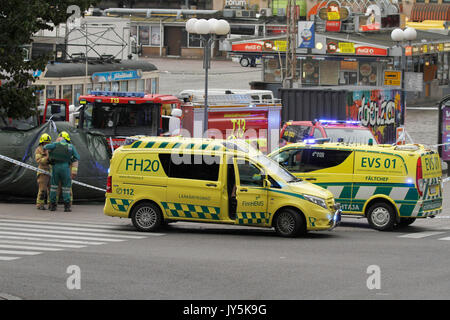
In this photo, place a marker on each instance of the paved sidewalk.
(84, 213)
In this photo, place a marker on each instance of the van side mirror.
(267, 183)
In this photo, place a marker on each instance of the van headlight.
(319, 201)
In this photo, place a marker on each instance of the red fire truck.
(122, 114)
(251, 115)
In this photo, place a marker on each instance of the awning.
(430, 11)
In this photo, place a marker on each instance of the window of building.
(144, 35)
(310, 74)
(194, 40)
(368, 72)
(348, 74)
(66, 92)
(50, 92)
(77, 92)
(140, 85)
(155, 36)
(329, 73)
(123, 85)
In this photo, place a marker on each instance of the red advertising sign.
(248, 46)
(370, 51)
(333, 26)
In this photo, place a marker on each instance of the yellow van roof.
(378, 147)
(183, 143)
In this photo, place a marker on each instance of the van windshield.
(350, 135)
(274, 167)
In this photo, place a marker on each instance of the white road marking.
(118, 232)
(20, 238)
(8, 258)
(45, 244)
(60, 236)
(70, 232)
(87, 225)
(27, 253)
(445, 239)
(420, 235)
(29, 247)
(52, 240)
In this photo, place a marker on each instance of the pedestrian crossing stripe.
(252, 218)
(120, 204)
(20, 238)
(183, 210)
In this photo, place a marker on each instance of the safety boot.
(41, 207)
(67, 207)
(52, 207)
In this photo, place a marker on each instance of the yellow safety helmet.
(45, 138)
(64, 135)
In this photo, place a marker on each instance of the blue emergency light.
(119, 94)
(323, 121)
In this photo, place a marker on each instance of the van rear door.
(428, 180)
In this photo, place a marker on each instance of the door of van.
(251, 195)
(331, 169)
(194, 190)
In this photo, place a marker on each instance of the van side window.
(250, 175)
(290, 159)
(189, 167)
(317, 159)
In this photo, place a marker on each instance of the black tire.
(147, 217)
(290, 223)
(245, 62)
(381, 216)
(404, 222)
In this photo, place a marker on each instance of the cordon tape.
(27, 166)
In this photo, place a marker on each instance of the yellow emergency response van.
(390, 185)
(156, 180)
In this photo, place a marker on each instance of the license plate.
(433, 189)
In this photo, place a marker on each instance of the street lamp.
(208, 30)
(398, 35)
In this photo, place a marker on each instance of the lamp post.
(398, 35)
(209, 30)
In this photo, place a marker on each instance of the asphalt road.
(203, 261)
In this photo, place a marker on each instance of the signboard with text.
(392, 78)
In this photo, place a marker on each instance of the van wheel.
(404, 222)
(146, 217)
(381, 216)
(245, 62)
(289, 223)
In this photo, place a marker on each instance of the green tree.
(19, 20)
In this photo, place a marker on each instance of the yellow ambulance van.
(157, 180)
(390, 185)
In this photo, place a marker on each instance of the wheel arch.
(145, 201)
(298, 210)
(380, 198)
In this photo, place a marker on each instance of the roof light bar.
(324, 121)
(118, 94)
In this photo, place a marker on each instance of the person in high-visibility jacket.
(62, 154)
(73, 169)
(42, 158)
